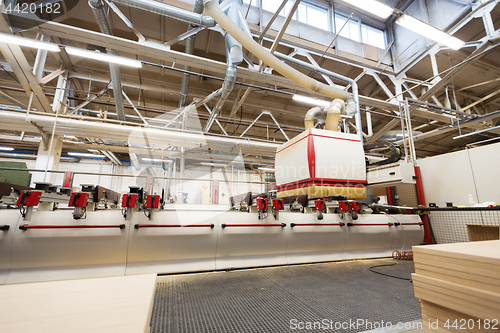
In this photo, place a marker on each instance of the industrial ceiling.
(464, 80)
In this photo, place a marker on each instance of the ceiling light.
(214, 164)
(155, 160)
(266, 169)
(309, 100)
(429, 31)
(85, 154)
(7, 148)
(96, 55)
(373, 7)
(21, 41)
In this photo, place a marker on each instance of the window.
(350, 30)
(306, 13)
(359, 32)
(373, 36)
(313, 15)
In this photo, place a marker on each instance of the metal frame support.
(216, 120)
(135, 109)
(125, 20)
(97, 95)
(274, 119)
(185, 35)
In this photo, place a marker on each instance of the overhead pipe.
(177, 13)
(114, 69)
(305, 81)
(110, 131)
(234, 56)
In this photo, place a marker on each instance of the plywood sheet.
(114, 304)
(435, 316)
(485, 252)
(472, 301)
(471, 280)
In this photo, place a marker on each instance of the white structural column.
(48, 159)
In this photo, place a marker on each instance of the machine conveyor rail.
(83, 226)
(224, 225)
(137, 226)
(315, 224)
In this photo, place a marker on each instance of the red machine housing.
(78, 199)
(320, 205)
(262, 204)
(129, 200)
(153, 201)
(29, 198)
(278, 204)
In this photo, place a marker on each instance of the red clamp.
(262, 204)
(354, 206)
(29, 198)
(129, 200)
(278, 204)
(320, 205)
(78, 199)
(153, 201)
(343, 206)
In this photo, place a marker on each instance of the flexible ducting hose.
(311, 115)
(336, 107)
(294, 75)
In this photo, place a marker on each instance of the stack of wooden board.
(458, 286)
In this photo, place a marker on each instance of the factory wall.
(464, 177)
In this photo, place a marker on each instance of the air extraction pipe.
(333, 112)
(305, 81)
(114, 69)
(180, 14)
(234, 56)
(352, 107)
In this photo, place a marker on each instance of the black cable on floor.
(392, 276)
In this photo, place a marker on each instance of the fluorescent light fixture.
(309, 100)
(85, 155)
(155, 160)
(7, 148)
(96, 55)
(214, 164)
(266, 169)
(21, 41)
(373, 7)
(429, 31)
